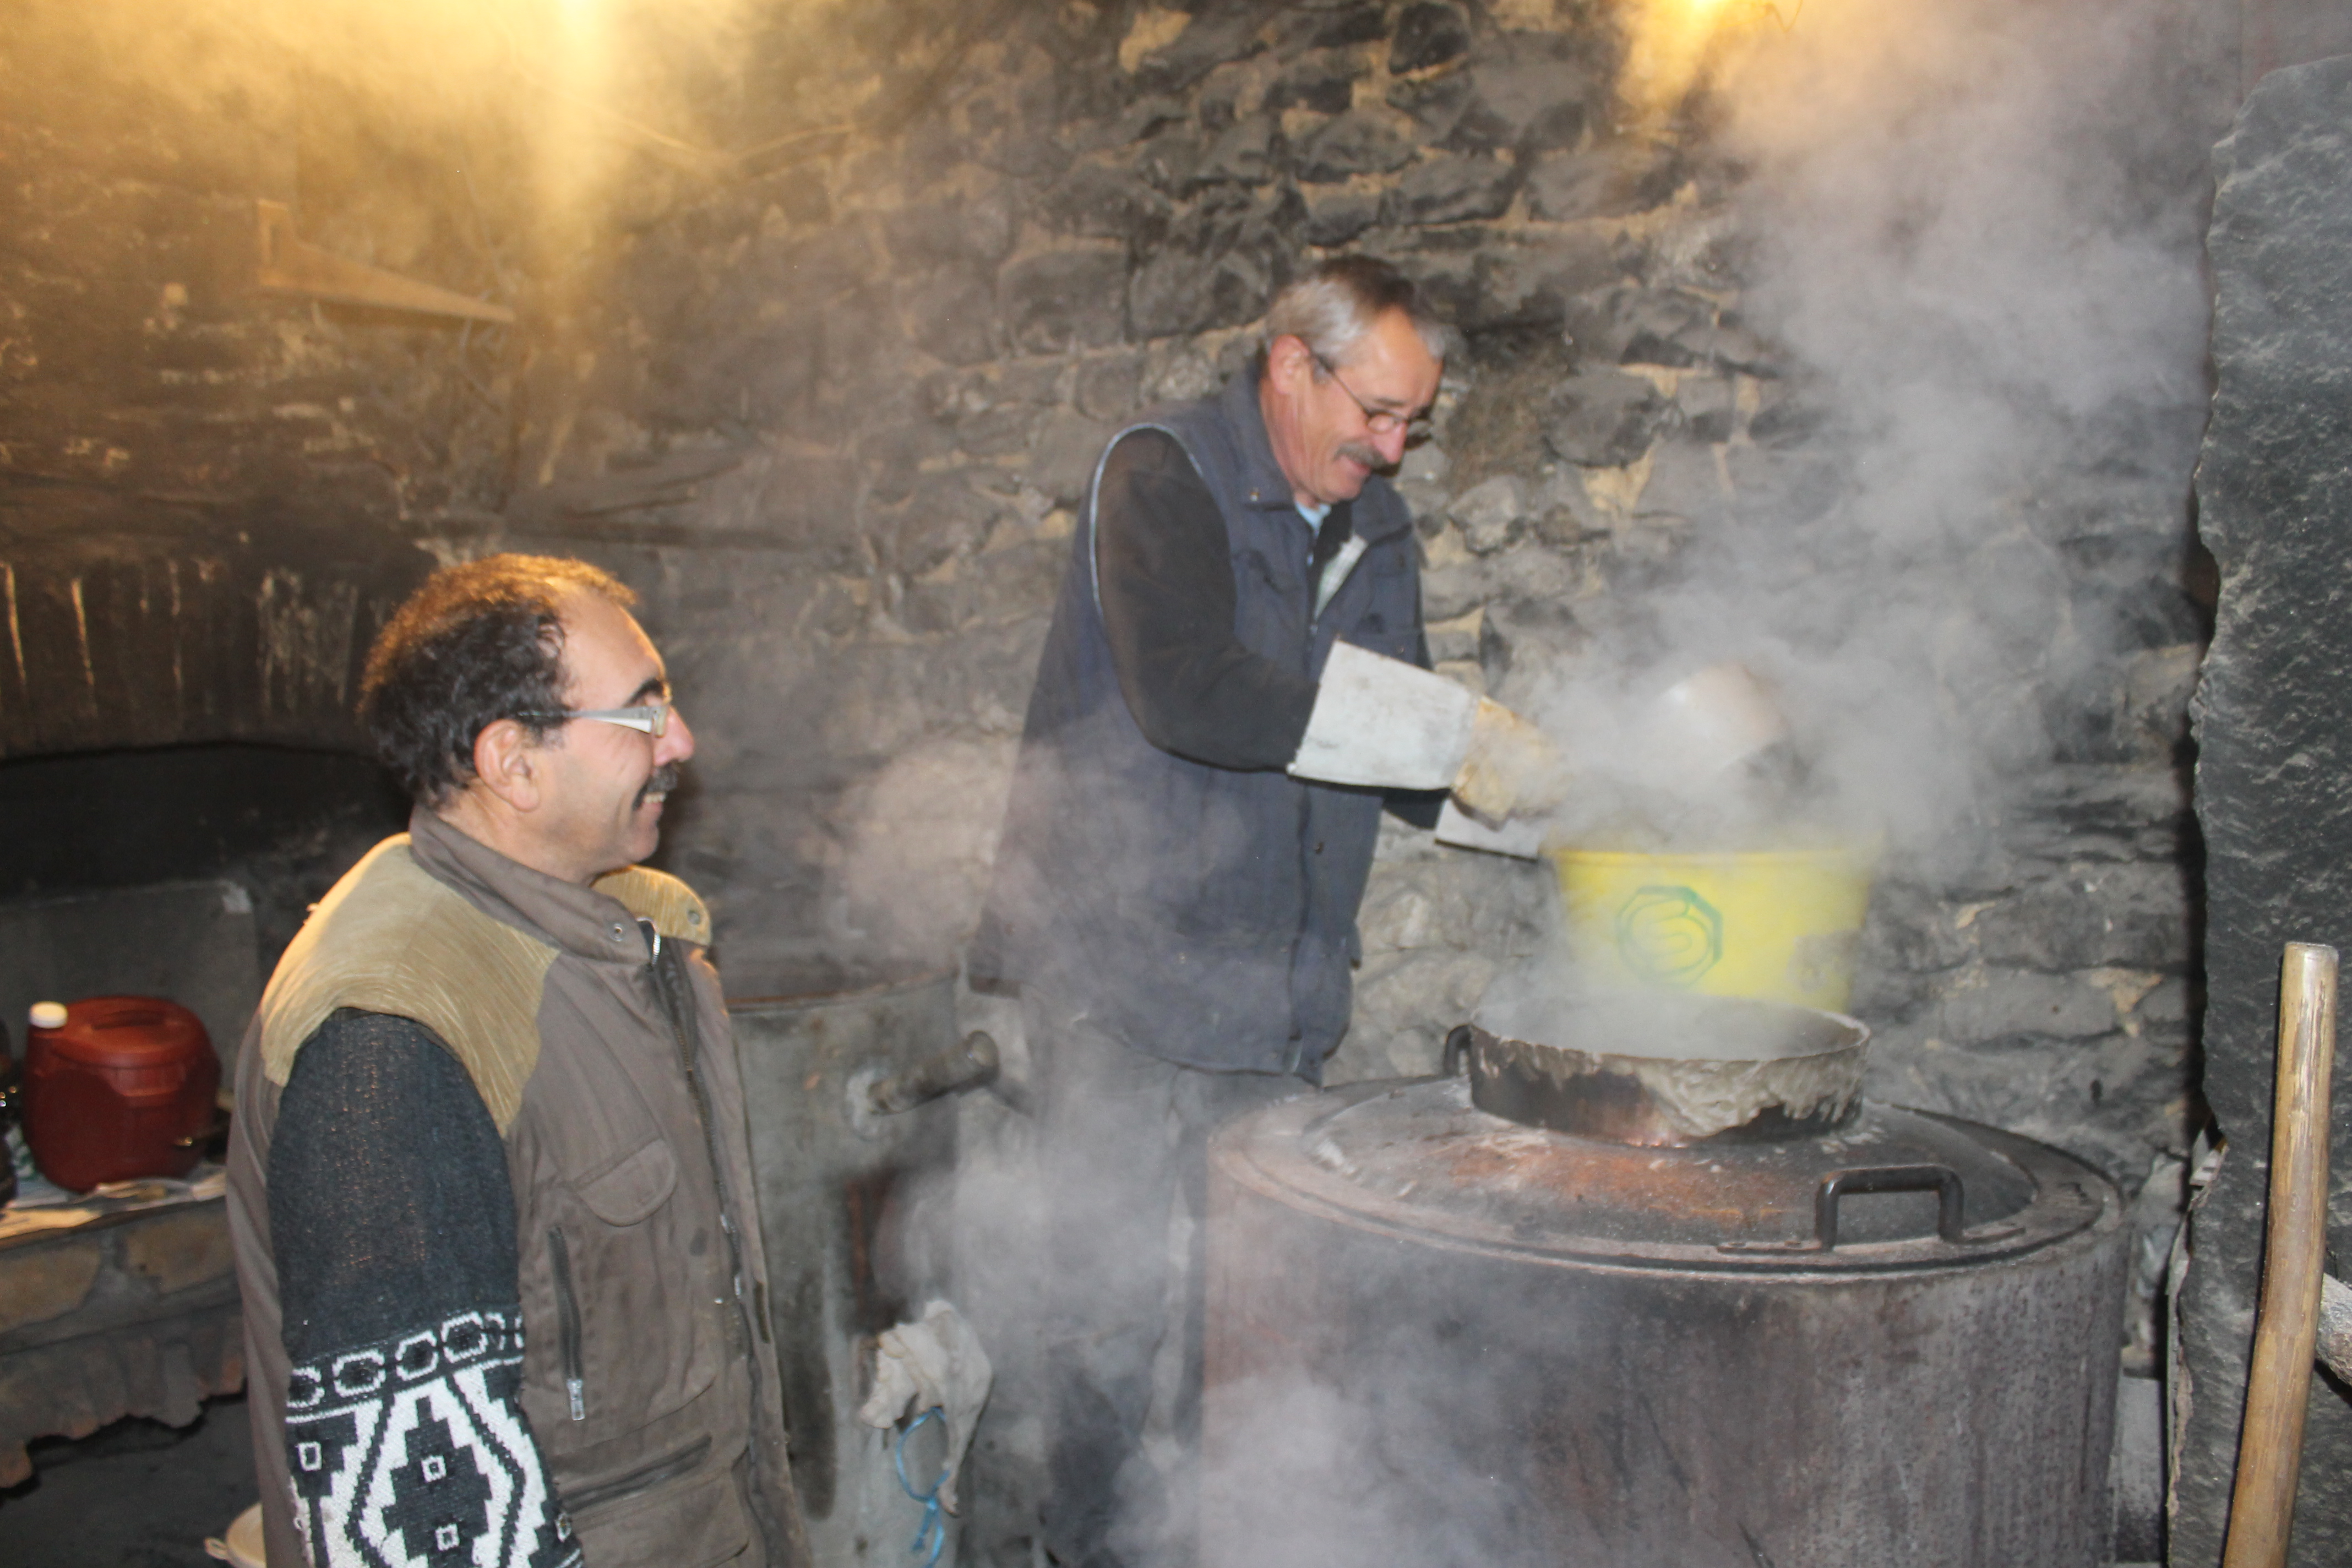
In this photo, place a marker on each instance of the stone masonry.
(829, 401)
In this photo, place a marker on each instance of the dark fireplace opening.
(176, 870)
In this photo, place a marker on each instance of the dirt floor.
(137, 1494)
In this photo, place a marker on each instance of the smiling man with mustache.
(488, 1187)
(1234, 674)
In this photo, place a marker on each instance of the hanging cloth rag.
(935, 1362)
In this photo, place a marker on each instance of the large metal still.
(1436, 1336)
(847, 1217)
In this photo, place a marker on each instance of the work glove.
(1383, 722)
(1509, 768)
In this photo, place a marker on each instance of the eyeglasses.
(651, 718)
(1379, 421)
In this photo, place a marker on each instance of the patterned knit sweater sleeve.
(392, 1219)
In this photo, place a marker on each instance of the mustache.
(663, 780)
(1368, 456)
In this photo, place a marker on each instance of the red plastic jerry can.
(119, 1088)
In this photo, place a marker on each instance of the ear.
(1289, 364)
(506, 764)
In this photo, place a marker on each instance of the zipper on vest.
(671, 984)
(669, 1468)
(567, 1320)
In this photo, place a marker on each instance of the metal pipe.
(969, 1063)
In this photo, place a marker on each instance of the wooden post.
(2270, 1446)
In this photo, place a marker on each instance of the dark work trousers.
(1126, 1177)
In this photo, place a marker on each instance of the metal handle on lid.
(1951, 1222)
(203, 1135)
(968, 1064)
(1458, 1051)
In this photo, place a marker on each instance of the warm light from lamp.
(1671, 42)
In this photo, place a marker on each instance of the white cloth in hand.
(934, 1361)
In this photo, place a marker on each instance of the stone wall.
(209, 492)
(882, 371)
(828, 396)
(830, 401)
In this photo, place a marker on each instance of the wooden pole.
(2270, 1447)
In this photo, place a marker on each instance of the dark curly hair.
(477, 643)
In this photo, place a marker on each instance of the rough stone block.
(1336, 26)
(1709, 407)
(1337, 213)
(1684, 483)
(1325, 83)
(1215, 270)
(1563, 511)
(1454, 640)
(1664, 327)
(1914, 927)
(1215, 36)
(2151, 716)
(48, 1280)
(1604, 418)
(1435, 103)
(1063, 461)
(1103, 202)
(1452, 190)
(1143, 117)
(1997, 1003)
(1457, 588)
(2085, 813)
(2136, 915)
(1783, 486)
(1357, 143)
(1787, 416)
(1063, 299)
(2275, 737)
(1610, 181)
(1490, 514)
(1169, 160)
(1013, 586)
(1522, 102)
(173, 1251)
(1110, 386)
(952, 316)
(935, 233)
(1240, 154)
(945, 517)
(1000, 430)
(1427, 35)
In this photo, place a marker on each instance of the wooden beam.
(291, 264)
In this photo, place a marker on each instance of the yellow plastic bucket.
(1780, 924)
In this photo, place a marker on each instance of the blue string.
(933, 1529)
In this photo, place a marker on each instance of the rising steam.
(1954, 217)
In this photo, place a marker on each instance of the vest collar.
(1264, 485)
(580, 920)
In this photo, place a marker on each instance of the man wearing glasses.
(489, 1186)
(1234, 676)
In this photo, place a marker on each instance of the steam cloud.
(1974, 227)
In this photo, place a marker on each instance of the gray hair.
(1333, 306)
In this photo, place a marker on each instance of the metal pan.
(1667, 1073)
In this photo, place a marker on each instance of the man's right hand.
(1511, 769)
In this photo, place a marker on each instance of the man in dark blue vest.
(1235, 680)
